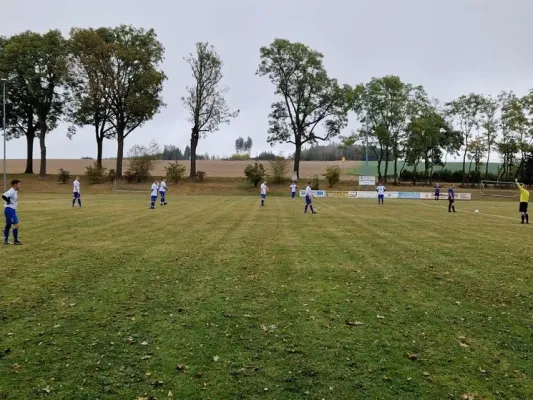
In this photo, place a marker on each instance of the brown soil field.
(218, 168)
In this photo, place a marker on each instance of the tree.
(187, 153)
(141, 161)
(90, 104)
(36, 67)
(476, 152)
(239, 145)
(133, 81)
(309, 98)
(465, 112)
(489, 123)
(205, 102)
(248, 144)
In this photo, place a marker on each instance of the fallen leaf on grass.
(413, 356)
(426, 374)
(468, 396)
(47, 389)
(146, 357)
(180, 367)
(216, 358)
(145, 343)
(170, 394)
(380, 316)
(157, 384)
(463, 345)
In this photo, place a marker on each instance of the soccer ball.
(476, 211)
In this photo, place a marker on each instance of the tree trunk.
(30, 136)
(120, 154)
(386, 164)
(395, 168)
(464, 166)
(99, 149)
(487, 166)
(297, 156)
(42, 142)
(195, 135)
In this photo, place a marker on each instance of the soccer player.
(76, 195)
(10, 211)
(381, 193)
(451, 199)
(163, 191)
(524, 200)
(437, 192)
(264, 191)
(308, 199)
(153, 194)
(293, 190)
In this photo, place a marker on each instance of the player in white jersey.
(163, 191)
(10, 211)
(381, 193)
(264, 191)
(293, 190)
(76, 194)
(308, 199)
(153, 194)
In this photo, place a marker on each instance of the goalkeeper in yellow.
(524, 199)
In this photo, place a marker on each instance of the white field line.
(484, 214)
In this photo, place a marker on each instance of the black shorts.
(523, 207)
(451, 200)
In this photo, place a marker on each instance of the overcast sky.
(451, 47)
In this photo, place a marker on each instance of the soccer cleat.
(6, 243)
(17, 243)
(314, 212)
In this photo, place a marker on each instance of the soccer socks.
(163, 201)
(16, 234)
(73, 202)
(305, 209)
(527, 218)
(262, 202)
(152, 204)
(6, 233)
(522, 217)
(79, 202)
(311, 207)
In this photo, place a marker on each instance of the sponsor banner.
(338, 194)
(363, 195)
(367, 180)
(444, 196)
(409, 195)
(316, 193)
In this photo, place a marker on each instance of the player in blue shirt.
(451, 199)
(10, 211)
(437, 192)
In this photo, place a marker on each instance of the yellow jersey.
(524, 194)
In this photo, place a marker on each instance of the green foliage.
(201, 175)
(111, 175)
(175, 172)
(309, 98)
(141, 161)
(240, 157)
(63, 176)
(278, 169)
(204, 101)
(333, 175)
(96, 174)
(315, 183)
(254, 173)
(266, 156)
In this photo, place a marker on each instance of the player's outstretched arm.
(6, 199)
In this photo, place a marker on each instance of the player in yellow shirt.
(524, 199)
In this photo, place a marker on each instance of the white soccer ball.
(476, 211)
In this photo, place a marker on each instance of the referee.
(524, 199)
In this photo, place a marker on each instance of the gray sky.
(451, 47)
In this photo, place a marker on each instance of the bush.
(141, 162)
(278, 169)
(333, 175)
(239, 157)
(266, 156)
(63, 176)
(201, 175)
(111, 175)
(254, 173)
(175, 171)
(130, 176)
(315, 183)
(94, 174)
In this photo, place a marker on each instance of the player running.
(437, 192)
(524, 200)
(308, 199)
(76, 194)
(381, 193)
(163, 191)
(293, 190)
(451, 199)
(10, 211)
(264, 191)
(153, 194)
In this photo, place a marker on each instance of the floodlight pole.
(5, 131)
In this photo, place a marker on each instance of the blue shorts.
(153, 198)
(76, 195)
(263, 196)
(11, 216)
(381, 196)
(293, 194)
(307, 199)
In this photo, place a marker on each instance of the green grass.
(220, 299)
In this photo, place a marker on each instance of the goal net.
(122, 187)
(498, 189)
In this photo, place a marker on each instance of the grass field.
(212, 297)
